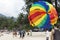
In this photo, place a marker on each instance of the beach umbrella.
(42, 15)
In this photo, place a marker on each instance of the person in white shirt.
(30, 32)
(47, 34)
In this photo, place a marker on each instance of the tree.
(20, 20)
(7, 22)
(56, 4)
(3, 21)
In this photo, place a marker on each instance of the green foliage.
(7, 22)
(20, 18)
(23, 21)
(11, 23)
(58, 10)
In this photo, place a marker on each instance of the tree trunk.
(56, 4)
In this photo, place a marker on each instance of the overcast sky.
(11, 7)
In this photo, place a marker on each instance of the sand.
(35, 36)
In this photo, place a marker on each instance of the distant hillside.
(1, 15)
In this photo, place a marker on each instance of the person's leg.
(23, 35)
(28, 33)
(47, 38)
(20, 35)
(13, 35)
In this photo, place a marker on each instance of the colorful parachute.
(42, 15)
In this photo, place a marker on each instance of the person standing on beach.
(23, 33)
(14, 33)
(56, 33)
(30, 32)
(47, 34)
(20, 33)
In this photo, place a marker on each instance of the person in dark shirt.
(56, 33)
(20, 33)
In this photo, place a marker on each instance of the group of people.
(55, 34)
(22, 33)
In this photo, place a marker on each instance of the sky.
(11, 7)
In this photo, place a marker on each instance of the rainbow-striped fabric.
(43, 15)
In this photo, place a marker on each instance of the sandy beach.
(35, 36)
